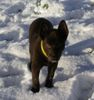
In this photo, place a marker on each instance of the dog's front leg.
(35, 77)
(51, 70)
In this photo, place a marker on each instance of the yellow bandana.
(42, 49)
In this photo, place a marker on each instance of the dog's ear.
(63, 28)
(45, 30)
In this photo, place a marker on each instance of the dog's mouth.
(52, 60)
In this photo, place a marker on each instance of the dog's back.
(37, 28)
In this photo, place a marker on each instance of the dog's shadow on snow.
(77, 50)
(80, 48)
(60, 75)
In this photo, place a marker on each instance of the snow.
(74, 77)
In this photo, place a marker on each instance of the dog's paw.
(35, 90)
(49, 84)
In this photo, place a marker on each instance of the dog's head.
(54, 41)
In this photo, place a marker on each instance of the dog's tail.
(29, 66)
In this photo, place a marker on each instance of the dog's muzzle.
(54, 61)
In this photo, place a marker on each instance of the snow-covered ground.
(74, 77)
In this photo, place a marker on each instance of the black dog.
(45, 45)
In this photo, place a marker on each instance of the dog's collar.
(42, 49)
(44, 52)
